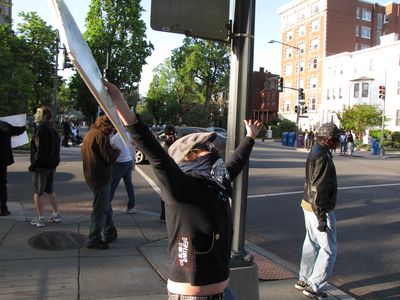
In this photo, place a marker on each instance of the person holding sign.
(196, 187)
(6, 159)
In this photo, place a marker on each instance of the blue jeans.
(319, 251)
(123, 170)
(101, 223)
(229, 295)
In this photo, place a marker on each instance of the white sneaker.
(55, 218)
(129, 210)
(38, 222)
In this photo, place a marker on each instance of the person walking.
(67, 133)
(196, 187)
(98, 157)
(170, 138)
(122, 169)
(45, 157)
(350, 143)
(6, 159)
(318, 203)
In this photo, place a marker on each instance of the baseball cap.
(184, 145)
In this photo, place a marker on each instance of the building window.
(315, 25)
(314, 45)
(398, 118)
(289, 35)
(333, 94)
(365, 89)
(302, 14)
(385, 19)
(315, 8)
(288, 70)
(365, 32)
(302, 66)
(356, 90)
(328, 94)
(289, 52)
(314, 63)
(371, 65)
(302, 30)
(340, 93)
(398, 87)
(312, 103)
(357, 32)
(366, 15)
(301, 48)
(313, 82)
(358, 13)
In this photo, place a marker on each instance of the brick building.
(265, 96)
(314, 29)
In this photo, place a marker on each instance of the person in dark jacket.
(45, 157)
(196, 187)
(170, 138)
(6, 159)
(98, 158)
(319, 201)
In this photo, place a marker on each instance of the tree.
(40, 39)
(359, 118)
(115, 31)
(204, 66)
(16, 77)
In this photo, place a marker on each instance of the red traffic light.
(382, 92)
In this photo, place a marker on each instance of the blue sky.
(267, 27)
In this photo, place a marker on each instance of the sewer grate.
(57, 240)
(268, 270)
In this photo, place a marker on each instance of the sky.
(267, 27)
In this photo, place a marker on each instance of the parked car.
(219, 142)
(218, 130)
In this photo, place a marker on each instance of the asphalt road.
(367, 213)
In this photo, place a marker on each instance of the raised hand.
(252, 128)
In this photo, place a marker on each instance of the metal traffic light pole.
(244, 277)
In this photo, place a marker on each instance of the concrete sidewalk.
(134, 267)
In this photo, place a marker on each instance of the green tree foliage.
(115, 30)
(359, 118)
(16, 76)
(195, 76)
(41, 46)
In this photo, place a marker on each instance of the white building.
(354, 78)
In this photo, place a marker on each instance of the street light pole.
(298, 81)
(55, 87)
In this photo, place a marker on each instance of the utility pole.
(244, 278)
(55, 87)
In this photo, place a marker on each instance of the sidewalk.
(135, 266)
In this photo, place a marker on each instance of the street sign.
(208, 19)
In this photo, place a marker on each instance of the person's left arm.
(242, 152)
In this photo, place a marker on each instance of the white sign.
(17, 120)
(82, 58)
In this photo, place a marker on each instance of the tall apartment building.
(5, 11)
(314, 29)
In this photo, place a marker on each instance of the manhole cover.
(57, 240)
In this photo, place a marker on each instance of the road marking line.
(340, 188)
(149, 180)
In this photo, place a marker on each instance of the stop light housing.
(382, 92)
(301, 94)
(296, 109)
(304, 109)
(67, 62)
(280, 84)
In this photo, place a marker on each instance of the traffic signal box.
(67, 62)
(301, 94)
(280, 84)
(382, 92)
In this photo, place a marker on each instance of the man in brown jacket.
(98, 158)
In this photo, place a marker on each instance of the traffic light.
(280, 84)
(304, 109)
(382, 92)
(67, 62)
(296, 109)
(301, 94)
